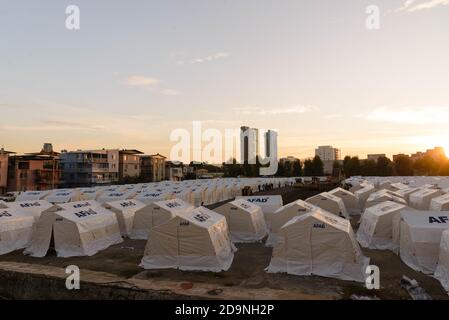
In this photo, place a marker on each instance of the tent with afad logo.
(15, 229)
(329, 203)
(319, 243)
(194, 240)
(80, 231)
(125, 211)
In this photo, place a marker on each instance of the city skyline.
(309, 69)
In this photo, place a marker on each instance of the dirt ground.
(247, 270)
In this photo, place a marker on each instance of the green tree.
(368, 168)
(297, 169)
(403, 165)
(308, 168)
(351, 166)
(384, 167)
(318, 166)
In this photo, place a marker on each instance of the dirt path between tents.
(246, 279)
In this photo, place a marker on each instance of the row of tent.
(409, 216)
(196, 192)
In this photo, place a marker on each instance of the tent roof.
(202, 217)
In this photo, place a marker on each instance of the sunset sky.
(308, 68)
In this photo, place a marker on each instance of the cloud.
(334, 116)
(141, 81)
(170, 92)
(275, 111)
(409, 115)
(212, 57)
(415, 5)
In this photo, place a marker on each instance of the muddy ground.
(247, 270)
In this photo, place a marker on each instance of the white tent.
(382, 196)
(90, 193)
(3, 204)
(245, 220)
(77, 232)
(32, 195)
(329, 203)
(442, 269)
(440, 203)
(63, 196)
(376, 226)
(363, 194)
(319, 243)
(84, 204)
(155, 214)
(148, 197)
(35, 208)
(285, 214)
(15, 229)
(405, 193)
(268, 204)
(194, 240)
(421, 199)
(420, 236)
(115, 196)
(398, 186)
(125, 210)
(349, 199)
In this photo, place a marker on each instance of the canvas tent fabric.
(442, 269)
(84, 204)
(420, 199)
(155, 214)
(32, 195)
(376, 225)
(440, 203)
(15, 229)
(405, 193)
(63, 196)
(268, 204)
(419, 238)
(245, 221)
(3, 204)
(349, 199)
(115, 196)
(90, 193)
(319, 243)
(77, 232)
(363, 194)
(125, 210)
(35, 208)
(329, 203)
(285, 214)
(194, 240)
(382, 196)
(148, 197)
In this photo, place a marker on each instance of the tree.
(297, 169)
(308, 168)
(368, 168)
(317, 166)
(403, 165)
(384, 167)
(351, 166)
(426, 166)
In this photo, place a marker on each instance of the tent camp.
(442, 269)
(284, 214)
(349, 199)
(245, 220)
(32, 195)
(125, 210)
(15, 229)
(268, 204)
(440, 203)
(363, 194)
(420, 199)
(63, 196)
(35, 208)
(194, 240)
(329, 203)
(76, 232)
(90, 193)
(155, 214)
(382, 196)
(376, 225)
(398, 186)
(319, 243)
(420, 236)
(84, 204)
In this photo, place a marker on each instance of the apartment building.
(4, 157)
(84, 168)
(152, 168)
(376, 156)
(174, 171)
(129, 164)
(34, 171)
(328, 153)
